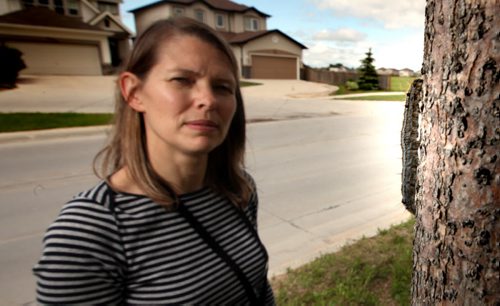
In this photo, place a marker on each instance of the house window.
(251, 24)
(73, 7)
(199, 15)
(43, 3)
(63, 7)
(178, 11)
(59, 6)
(220, 21)
(28, 3)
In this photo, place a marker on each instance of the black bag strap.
(210, 241)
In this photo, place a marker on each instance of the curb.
(15, 137)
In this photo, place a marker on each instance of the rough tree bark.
(410, 143)
(456, 249)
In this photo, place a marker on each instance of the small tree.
(369, 78)
(11, 63)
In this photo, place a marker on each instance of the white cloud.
(393, 14)
(322, 54)
(339, 35)
(406, 52)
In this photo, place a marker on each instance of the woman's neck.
(184, 173)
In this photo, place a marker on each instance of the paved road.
(323, 180)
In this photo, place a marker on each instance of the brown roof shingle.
(40, 16)
(244, 37)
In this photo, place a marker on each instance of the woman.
(174, 219)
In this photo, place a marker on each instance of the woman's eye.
(182, 80)
(224, 89)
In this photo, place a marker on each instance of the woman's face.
(188, 98)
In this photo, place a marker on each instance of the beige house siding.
(208, 14)
(234, 22)
(227, 18)
(273, 41)
(237, 50)
(88, 12)
(7, 6)
(112, 26)
(146, 17)
(239, 21)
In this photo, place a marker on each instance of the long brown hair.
(127, 145)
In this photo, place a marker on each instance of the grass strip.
(372, 271)
(28, 121)
(399, 98)
(401, 83)
(14, 122)
(343, 90)
(246, 84)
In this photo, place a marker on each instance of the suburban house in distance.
(261, 53)
(65, 37)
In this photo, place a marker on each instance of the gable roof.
(223, 5)
(41, 16)
(108, 15)
(244, 37)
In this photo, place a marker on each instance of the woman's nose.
(205, 96)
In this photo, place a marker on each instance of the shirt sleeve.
(83, 259)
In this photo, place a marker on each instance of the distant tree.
(368, 79)
(11, 62)
(337, 65)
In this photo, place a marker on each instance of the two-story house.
(261, 53)
(65, 37)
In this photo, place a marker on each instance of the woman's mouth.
(203, 125)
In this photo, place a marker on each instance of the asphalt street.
(328, 172)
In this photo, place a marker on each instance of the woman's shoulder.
(251, 181)
(95, 201)
(98, 193)
(86, 220)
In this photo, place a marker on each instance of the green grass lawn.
(397, 84)
(379, 98)
(401, 83)
(343, 90)
(372, 271)
(13, 122)
(246, 84)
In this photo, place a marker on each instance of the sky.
(342, 31)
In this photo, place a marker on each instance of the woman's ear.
(129, 89)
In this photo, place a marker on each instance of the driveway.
(95, 94)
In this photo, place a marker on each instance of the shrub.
(11, 63)
(352, 85)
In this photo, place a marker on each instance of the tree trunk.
(456, 247)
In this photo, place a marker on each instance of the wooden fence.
(339, 78)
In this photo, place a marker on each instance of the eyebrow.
(218, 78)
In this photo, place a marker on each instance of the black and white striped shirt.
(134, 251)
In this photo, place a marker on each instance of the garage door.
(59, 59)
(269, 67)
